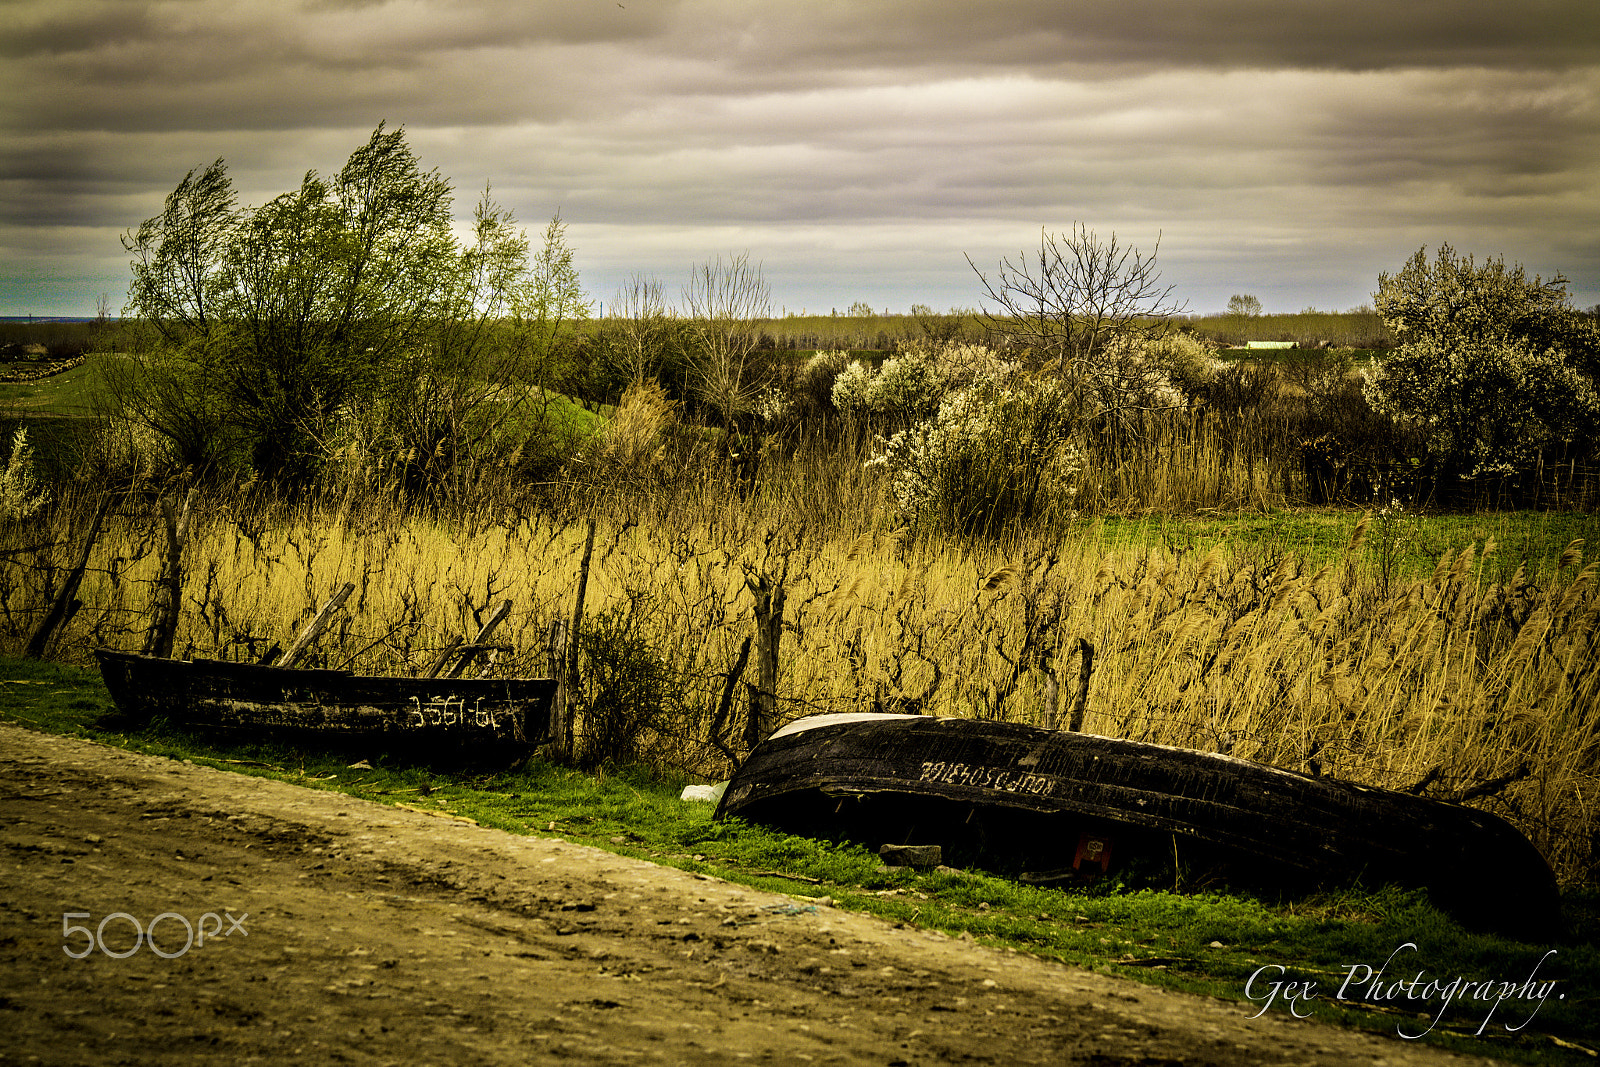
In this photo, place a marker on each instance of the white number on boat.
(1007, 781)
(451, 711)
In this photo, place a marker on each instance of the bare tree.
(1077, 299)
(728, 301)
(1244, 306)
(638, 328)
(1091, 310)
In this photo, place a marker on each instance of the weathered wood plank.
(318, 623)
(477, 647)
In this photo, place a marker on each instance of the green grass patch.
(70, 393)
(1320, 536)
(1207, 943)
(1361, 356)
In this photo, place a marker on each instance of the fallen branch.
(1493, 785)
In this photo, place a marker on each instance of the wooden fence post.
(719, 724)
(763, 717)
(169, 587)
(1080, 702)
(317, 624)
(569, 677)
(476, 648)
(1052, 698)
(561, 710)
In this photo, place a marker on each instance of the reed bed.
(1449, 683)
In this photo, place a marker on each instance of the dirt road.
(341, 931)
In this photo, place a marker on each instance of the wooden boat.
(429, 715)
(1055, 806)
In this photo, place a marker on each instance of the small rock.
(912, 855)
(1216, 944)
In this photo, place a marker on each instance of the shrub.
(912, 384)
(628, 689)
(634, 438)
(1496, 369)
(1486, 407)
(813, 386)
(128, 451)
(998, 452)
(21, 496)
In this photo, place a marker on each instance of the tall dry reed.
(1454, 685)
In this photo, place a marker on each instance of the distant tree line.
(343, 330)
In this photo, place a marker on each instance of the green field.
(70, 393)
(1418, 539)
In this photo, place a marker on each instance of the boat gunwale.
(201, 667)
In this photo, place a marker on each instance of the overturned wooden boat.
(436, 715)
(1054, 806)
(427, 715)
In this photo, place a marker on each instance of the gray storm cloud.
(1292, 149)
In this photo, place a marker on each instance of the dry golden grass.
(1454, 680)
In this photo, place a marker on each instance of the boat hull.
(246, 700)
(1033, 796)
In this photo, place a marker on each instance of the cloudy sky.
(859, 150)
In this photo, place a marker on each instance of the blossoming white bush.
(1497, 368)
(20, 493)
(850, 388)
(998, 451)
(913, 383)
(1488, 406)
(775, 405)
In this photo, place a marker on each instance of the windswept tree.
(178, 286)
(329, 288)
(287, 331)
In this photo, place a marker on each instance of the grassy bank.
(1198, 942)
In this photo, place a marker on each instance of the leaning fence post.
(169, 587)
(476, 648)
(763, 717)
(719, 724)
(561, 710)
(317, 624)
